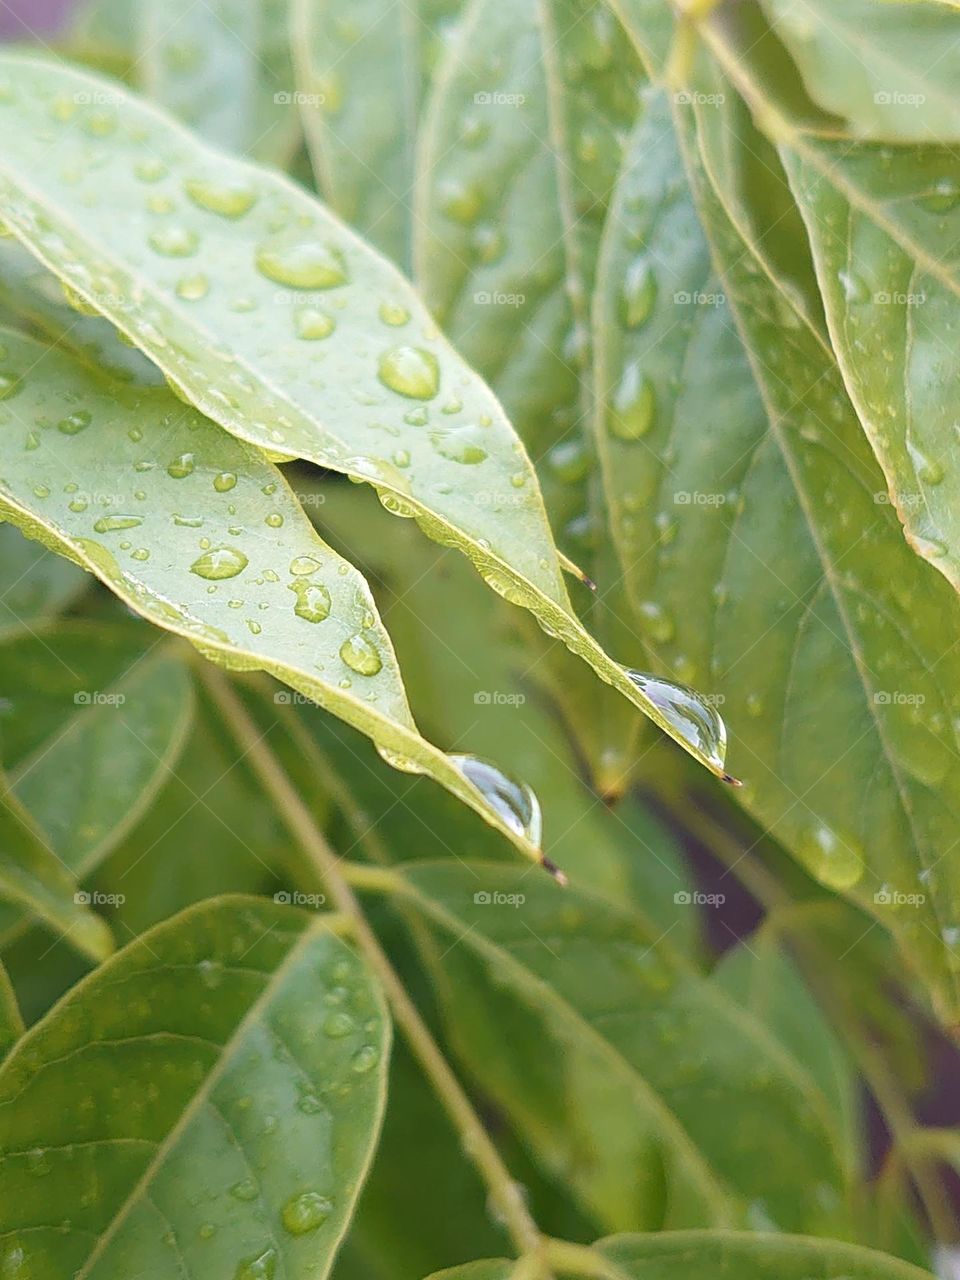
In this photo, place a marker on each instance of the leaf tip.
(553, 870)
(731, 780)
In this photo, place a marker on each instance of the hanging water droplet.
(693, 719)
(229, 198)
(312, 324)
(301, 264)
(515, 802)
(313, 600)
(833, 857)
(175, 242)
(305, 1212)
(410, 371)
(639, 293)
(634, 405)
(361, 655)
(219, 563)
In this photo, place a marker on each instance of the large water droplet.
(181, 467)
(74, 423)
(305, 1212)
(301, 565)
(833, 857)
(219, 563)
(361, 655)
(229, 198)
(694, 720)
(262, 1267)
(515, 802)
(302, 264)
(411, 371)
(313, 600)
(634, 405)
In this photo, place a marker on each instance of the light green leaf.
(258, 378)
(786, 580)
(361, 74)
(198, 533)
(34, 879)
(891, 70)
(11, 1023)
(198, 1102)
(224, 68)
(34, 584)
(618, 1064)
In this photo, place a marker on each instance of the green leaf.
(209, 1099)
(784, 579)
(34, 879)
(224, 68)
(34, 585)
(360, 76)
(144, 269)
(891, 70)
(198, 533)
(91, 783)
(618, 1063)
(722, 1255)
(11, 1023)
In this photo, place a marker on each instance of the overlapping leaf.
(321, 348)
(208, 1099)
(34, 584)
(198, 533)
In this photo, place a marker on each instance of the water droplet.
(458, 446)
(224, 482)
(393, 313)
(832, 857)
(361, 655)
(175, 242)
(9, 385)
(301, 565)
(100, 124)
(245, 1190)
(488, 244)
(639, 293)
(219, 563)
(305, 1212)
(150, 170)
(230, 199)
(461, 201)
(854, 288)
(569, 461)
(694, 720)
(181, 466)
(74, 423)
(262, 1267)
(365, 1059)
(337, 1025)
(302, 264)
(313, 600)
(634, 405)
(944, 197)
(312, 324)
(515, 802)
(108, 524)
(211, 973)
(193, 288)
(655, 622)
(410, 371)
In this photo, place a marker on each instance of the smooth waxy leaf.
(223, 67)
(892, 70)
(11, 1023)
(209, 1099)
(197, 532)
(722, 1255)
(783, 581)
(618, 1063)
(279, 265)
(360, 76)
(34, 584)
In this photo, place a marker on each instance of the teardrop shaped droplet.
(695, 720)
(634, 405)
(229, 198)
(219, 563)
(515, 802)
(313, 600)
(361, 655)
(410, 371)
(302, 264)
(302, 565)
(305, 1212)
(833, 857)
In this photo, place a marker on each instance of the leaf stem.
(477, 1143)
